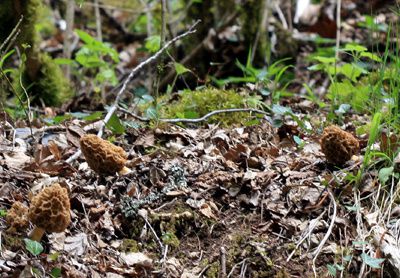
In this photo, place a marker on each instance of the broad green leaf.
(3, 212)
(94, 116)
(85, 37)
(372, 262)
(53, 256)
(351, 71)
(385, 174)
(55, 272)
(34, 247)
(153, 43)
(355, 47)
(281, 110)
(325, 60)
(371, 56)
(331, 270)
(180, 69)
(115, 125)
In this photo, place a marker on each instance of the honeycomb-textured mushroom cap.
(50, 209)
(17, 217)
(338, 145)
(102, 156)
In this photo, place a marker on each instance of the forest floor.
(239, 201)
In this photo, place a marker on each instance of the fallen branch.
(196, 120)
(129, 78)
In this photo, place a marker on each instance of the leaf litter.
(251, 190)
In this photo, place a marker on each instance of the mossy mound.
(41, 76)
(49, 85)
(195, 104)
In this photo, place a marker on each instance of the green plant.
(271, 81)
(351, 82)
(97, 58)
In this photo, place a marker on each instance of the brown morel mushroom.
(50, 211)
(17, 217)
(338, 145)
(102, 156)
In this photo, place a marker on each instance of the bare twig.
(99, 33)
(197, 120)
(143, 213)
(69, 18)
(239, 263)
(149, 16)
(13, 32)
(313, 223)
(338, 18)
(161, 66)
(328, 232)
(222, 268)
(129, 78)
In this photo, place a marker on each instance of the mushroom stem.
(37, 234)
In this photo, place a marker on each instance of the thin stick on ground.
(196, 120)
(222, 271)
(328, 232)
(311, 227)
(129, 78)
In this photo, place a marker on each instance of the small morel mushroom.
(17, 217)
(102, 156)
(50, 211)
(338, 145)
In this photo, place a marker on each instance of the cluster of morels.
(50, 209)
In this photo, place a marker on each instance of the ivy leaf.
(153, 43)
(115, 125)
(372, 262)
(180, 69)
(332, 270)
(355, 47)
(281, 110)
(34, 247)
(384, 174)
(55, 272)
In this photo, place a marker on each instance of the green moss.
(41, 77)
(129, 245)
(170, 239)
(194, 104)
(213, 270)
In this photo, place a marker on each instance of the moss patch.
(195, 104)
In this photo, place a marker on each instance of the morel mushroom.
(17, 217)
(50, 211)
(102, 156)
(338, 145)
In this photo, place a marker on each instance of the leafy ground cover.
(237, 193)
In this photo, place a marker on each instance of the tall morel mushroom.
(338, 145)
(50, 211)
(102, 156)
